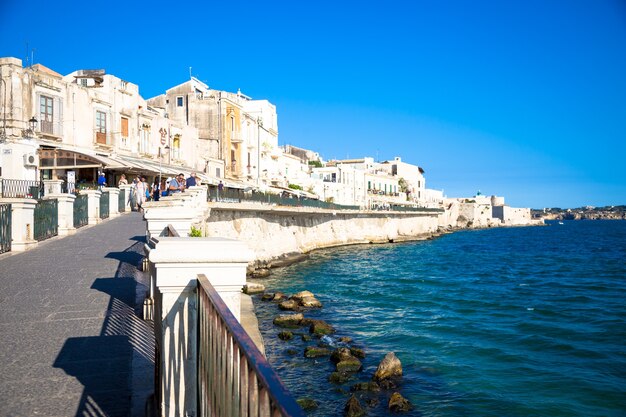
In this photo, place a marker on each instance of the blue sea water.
(496, 322)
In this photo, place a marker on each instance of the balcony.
(235, 137)
(52, 130)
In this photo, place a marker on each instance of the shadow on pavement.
(104, 364)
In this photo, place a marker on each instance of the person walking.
(140, 192)
(156, 190)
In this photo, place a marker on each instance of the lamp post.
(32, 125)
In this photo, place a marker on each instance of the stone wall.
(272, 232)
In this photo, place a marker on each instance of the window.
(144, 135)
(124, 126)
(46, 113)
(232, 124)
(83, 82)
(176, 147)
(218, 172)
(179, 101)
(101, 127)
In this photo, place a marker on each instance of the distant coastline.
(581, 213)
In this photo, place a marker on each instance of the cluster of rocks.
(346, 358)
(386, 378)
(262, 268)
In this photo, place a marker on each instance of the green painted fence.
(5, 228)
(81, 213)
(46, 219)
(104, 205)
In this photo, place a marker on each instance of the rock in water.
(302, 294)
(288, 320)
(307, 403)
(288, 305)
(353, 408)
(349, 365)
(399, 404)
(285, 335)
(279, 296)
(320, 327)
(357, 352)
(310, 302)
(389, 367)
(339, 377)
(315, 352)
(253, 288)
(261, 273)
(341, 354)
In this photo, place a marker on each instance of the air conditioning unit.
(30, 160)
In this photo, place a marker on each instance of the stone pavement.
(72, 340)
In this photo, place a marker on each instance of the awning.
(65, 157)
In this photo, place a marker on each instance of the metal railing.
(234, 378)
(5, 228)
(68, 187)
(21, 189)
(238, 196)
(104, 205)
(170, 231)
(81, 213)
(46, 219)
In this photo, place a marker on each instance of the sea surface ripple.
(497, 322)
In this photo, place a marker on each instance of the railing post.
(93, 211)
(22, 223)
(114, 194)
(158, 214)
(66, 212)
(52, 186)
(126, 188)
(175, 263)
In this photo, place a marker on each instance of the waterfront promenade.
(73, 341)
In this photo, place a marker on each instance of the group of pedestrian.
(141, 191)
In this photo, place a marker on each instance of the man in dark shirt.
(191, 181)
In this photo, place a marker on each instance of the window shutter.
(124, 127)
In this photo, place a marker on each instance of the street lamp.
(32, 125)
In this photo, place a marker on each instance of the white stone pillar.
(114, 195)
(159, 214)
(22, 223)
(66, 212)
(93, 206)
(52, 186)
(176, 262)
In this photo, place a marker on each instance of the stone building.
(237, 136)
(89, 121)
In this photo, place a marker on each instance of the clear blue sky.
(525, 99)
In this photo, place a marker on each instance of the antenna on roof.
(190, 73)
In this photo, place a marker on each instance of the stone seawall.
(273, 232)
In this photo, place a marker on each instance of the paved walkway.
(72, 341)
